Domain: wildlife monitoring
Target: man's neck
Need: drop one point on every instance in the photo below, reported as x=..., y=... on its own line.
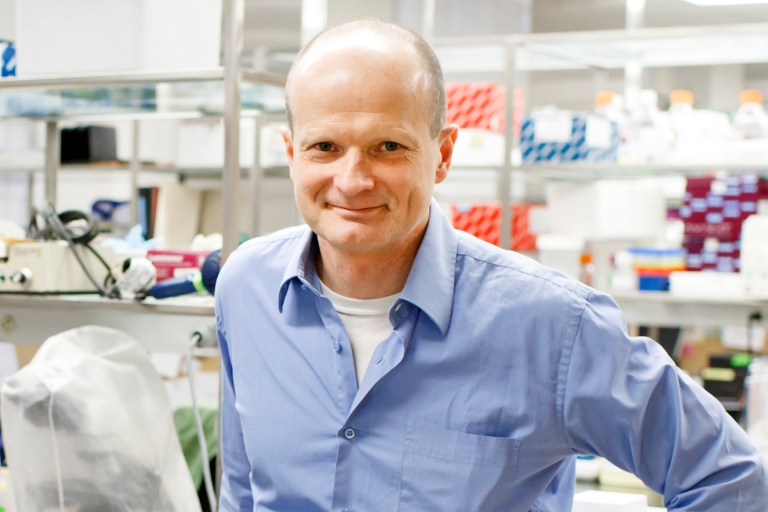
x=369, y=275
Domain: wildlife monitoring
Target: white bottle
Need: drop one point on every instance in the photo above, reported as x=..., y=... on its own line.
x=6, y=492
x=649, y=136
x=681, y=116
x=751, y=118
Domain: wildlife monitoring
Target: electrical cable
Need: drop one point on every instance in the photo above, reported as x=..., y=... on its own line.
x=57, y=226
x=196, y=338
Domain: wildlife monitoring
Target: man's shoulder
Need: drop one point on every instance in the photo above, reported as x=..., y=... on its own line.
x=269, y=254
x=284, y=237
x=516, y=269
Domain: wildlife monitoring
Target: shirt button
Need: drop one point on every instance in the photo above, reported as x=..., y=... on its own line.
x=336, y=346
x=350, y=433
x=304, y=287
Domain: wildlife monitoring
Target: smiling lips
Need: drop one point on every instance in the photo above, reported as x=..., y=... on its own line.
x=355, y=212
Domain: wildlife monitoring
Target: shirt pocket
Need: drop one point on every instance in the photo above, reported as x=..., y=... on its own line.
x=446, y=470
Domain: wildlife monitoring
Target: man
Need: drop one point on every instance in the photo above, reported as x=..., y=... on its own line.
x=377, y=359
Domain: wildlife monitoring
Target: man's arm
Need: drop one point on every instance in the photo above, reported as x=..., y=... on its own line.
x=626, y=400
x=236, y=495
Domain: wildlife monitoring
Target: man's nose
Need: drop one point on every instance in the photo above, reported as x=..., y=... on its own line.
x=355, y=175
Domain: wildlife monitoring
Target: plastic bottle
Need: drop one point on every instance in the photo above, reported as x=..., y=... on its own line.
x=751, y=118
x=648, y=135
x=611, y=106
x=587, y=269
x=681, y=109
x=6, y=491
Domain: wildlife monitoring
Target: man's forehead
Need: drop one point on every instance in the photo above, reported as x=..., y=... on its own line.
x=359, y=41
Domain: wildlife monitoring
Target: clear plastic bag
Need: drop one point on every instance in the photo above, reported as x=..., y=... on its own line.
x=88, y=428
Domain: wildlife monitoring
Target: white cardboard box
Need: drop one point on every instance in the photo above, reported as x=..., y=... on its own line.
x=754, y=256
x=87, y=36
x=607, y=210
x=601, y=501
x=707, y=285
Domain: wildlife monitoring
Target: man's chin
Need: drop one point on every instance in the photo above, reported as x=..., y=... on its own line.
x=361, y=239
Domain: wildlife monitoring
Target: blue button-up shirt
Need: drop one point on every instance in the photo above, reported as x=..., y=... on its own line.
x=497, y=373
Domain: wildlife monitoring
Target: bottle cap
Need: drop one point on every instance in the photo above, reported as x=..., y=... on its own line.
x=750, y=96
x=586, y=258
x=681, y=97
x=603, y=98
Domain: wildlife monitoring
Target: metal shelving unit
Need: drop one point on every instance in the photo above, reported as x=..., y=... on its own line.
x=161, y=325
x=502, y=57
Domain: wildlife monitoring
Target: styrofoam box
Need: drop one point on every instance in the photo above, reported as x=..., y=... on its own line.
x=601, y=501
x=754, y=256
x=87, y=36
x=478, y=148
x=707, y=285
x=607, y=210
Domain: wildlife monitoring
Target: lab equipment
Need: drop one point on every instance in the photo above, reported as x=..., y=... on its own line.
x=60, y=259
x=88, y=427
x=44, y=267
x=202, y=281
x=83, y=144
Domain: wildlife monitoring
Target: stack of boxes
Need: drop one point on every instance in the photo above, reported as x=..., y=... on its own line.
x=653, y=266
x=478, y=109
x=476, y=105
x=713, y=211
x=484, y=222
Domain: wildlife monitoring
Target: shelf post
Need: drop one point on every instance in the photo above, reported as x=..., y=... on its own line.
x=234, y=12
x=504, y=182
x=135, y=169
x=52, y=159
x=256, y=176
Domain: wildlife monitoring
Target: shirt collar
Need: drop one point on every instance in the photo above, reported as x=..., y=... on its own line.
x=431, y=280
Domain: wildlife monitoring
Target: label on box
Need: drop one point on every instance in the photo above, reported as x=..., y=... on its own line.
x=598, y=133
x=553, y=127
x=172, y=263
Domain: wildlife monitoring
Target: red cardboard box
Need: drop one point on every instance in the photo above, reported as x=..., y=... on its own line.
x=175, y=263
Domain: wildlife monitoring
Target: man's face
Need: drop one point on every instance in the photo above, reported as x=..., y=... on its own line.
x=363, y=161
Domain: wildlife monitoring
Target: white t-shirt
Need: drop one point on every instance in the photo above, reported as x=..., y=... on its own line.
x=366, y=322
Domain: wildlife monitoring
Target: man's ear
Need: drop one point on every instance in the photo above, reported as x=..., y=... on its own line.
x=446, y=140
x=288, y=140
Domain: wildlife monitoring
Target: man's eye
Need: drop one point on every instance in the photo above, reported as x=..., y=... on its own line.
x=324, y=146
x=391, y=146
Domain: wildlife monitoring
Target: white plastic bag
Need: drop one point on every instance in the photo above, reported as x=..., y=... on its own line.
x=88, y=428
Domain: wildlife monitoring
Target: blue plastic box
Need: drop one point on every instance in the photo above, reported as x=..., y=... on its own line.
x=565, y=137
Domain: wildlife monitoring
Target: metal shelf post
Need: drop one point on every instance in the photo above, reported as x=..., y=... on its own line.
x=504, y=180
x=234, y=13
x=52, y=159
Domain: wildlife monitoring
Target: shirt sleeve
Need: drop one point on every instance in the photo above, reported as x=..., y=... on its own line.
x=235, y=495
x=626, y=400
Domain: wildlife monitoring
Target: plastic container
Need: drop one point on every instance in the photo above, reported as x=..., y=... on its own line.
x=681, y=113
x=7, y=503
x=751, y=118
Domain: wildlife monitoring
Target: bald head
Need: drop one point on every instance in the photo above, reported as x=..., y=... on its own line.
x=376, y=36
